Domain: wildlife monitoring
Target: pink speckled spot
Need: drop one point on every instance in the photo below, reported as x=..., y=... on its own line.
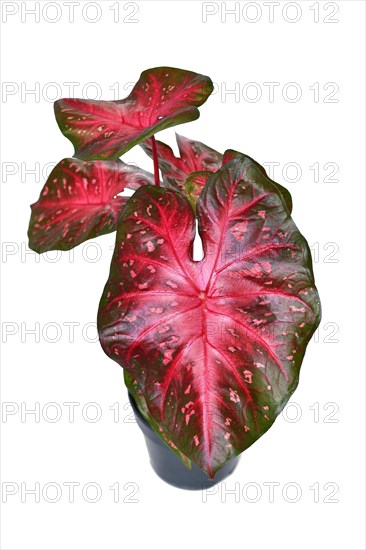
x=171, y=284
x=234, y=396
x=168, y=356
x=188, y=416
x=156, y=309
x=299, y=309
x=130, y=318
x=239, y=229
x=248, y=375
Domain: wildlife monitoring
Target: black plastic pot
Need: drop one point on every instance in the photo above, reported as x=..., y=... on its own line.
x=169, y=467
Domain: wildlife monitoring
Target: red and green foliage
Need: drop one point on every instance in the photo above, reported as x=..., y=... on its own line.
x=163, y=97
x=79, y=201
x=215, y=346
x=211, y=349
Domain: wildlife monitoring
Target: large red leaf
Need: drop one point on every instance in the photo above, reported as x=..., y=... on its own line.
x=162, y=97
x=215, y=346
x=79, y=202
x=194, y=157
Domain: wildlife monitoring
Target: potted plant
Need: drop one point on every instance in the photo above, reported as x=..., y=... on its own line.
x=211, y=349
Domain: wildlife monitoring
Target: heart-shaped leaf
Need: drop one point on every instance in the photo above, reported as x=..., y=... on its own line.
x=216, y=345
x=194, y=157
x=163, y=97
x=78, y=202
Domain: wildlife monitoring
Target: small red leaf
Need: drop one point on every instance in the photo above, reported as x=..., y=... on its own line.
x=78, y=202
x=194, y=157
x=163, y=97
x=216, y=345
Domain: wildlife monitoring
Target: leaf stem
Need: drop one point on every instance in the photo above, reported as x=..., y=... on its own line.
x=156, y=162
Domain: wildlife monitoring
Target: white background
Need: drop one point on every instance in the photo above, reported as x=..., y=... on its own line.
x=315, y=450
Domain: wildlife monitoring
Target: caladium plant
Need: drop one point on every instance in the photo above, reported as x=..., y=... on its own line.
x=211, y=349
